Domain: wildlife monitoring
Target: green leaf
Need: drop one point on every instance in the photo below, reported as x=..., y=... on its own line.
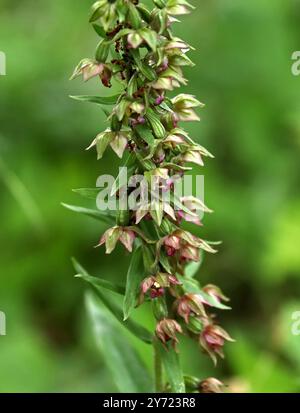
x=172, y=368
x=103, y=216
x=144, y=133
x=99, y=30
x=95, y=281
x=100, y=100
x=135, y=328
x=125, y=365
x=90, y=193
x=192, y=268
x=134, y=277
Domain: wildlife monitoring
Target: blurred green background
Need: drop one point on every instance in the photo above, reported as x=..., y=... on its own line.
x=251, y=123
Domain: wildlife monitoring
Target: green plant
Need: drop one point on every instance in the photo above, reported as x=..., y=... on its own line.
x=138, y=49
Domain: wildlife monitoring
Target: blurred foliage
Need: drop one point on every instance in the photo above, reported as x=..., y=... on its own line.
x=252, y=125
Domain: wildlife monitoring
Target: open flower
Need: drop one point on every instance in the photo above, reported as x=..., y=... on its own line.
x=178, y=7
x=212, y=340
x=211, y=385
x=166, y=331
x=215, y=292
x=156, y=209
x=192, y=205
x=186, y=245
x=190, y=304
x=113, y=235
x=117, y=140
x=89, y=68
x=183, y=107
x=155, y=285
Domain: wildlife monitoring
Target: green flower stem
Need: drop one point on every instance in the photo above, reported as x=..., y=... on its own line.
x=158, y=368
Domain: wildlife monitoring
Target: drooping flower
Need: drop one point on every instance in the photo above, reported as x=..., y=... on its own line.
x=190, y=304
x=212, y=340
x=156, y=285
x=166, y=330
x=183, y=107
x=113, y=235
x=156, y=209
x=178, y=7
x=215, y=292
x=186, y=245
x=211, y=385
x=89, y=68
x=192, y=206
x=117, y=140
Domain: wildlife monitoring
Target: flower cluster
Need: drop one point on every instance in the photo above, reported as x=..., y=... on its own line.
x=137, y=50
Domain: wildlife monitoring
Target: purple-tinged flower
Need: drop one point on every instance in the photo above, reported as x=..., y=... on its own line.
x=215, y=292
x=190, y=304
x=159, y=100
x=186, y=245
x=156, y=285
x=212, y=340
x=90, y=68
x=166, y=331
x=211, y=385
x=113, y=235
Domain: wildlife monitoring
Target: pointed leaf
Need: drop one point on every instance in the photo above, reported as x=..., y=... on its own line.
x=172, y=368
x=135, y=328
x=100, y=100
x=104, y=216
x=125, y=365
x=192, y=268
x=135, y=276
x=90, y=193
x=95, y=281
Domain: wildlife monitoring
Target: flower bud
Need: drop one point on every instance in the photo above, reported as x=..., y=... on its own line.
x=166, y=331
x=211, y=385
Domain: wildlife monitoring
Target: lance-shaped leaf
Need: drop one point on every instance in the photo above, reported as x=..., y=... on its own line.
x=125, y=365
x=172, y=368
x=192, y=267
x=95, y=281
x=135, y=328
x=100, y=100
x=89, y=193
x=104, y=216
x=135, y=276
